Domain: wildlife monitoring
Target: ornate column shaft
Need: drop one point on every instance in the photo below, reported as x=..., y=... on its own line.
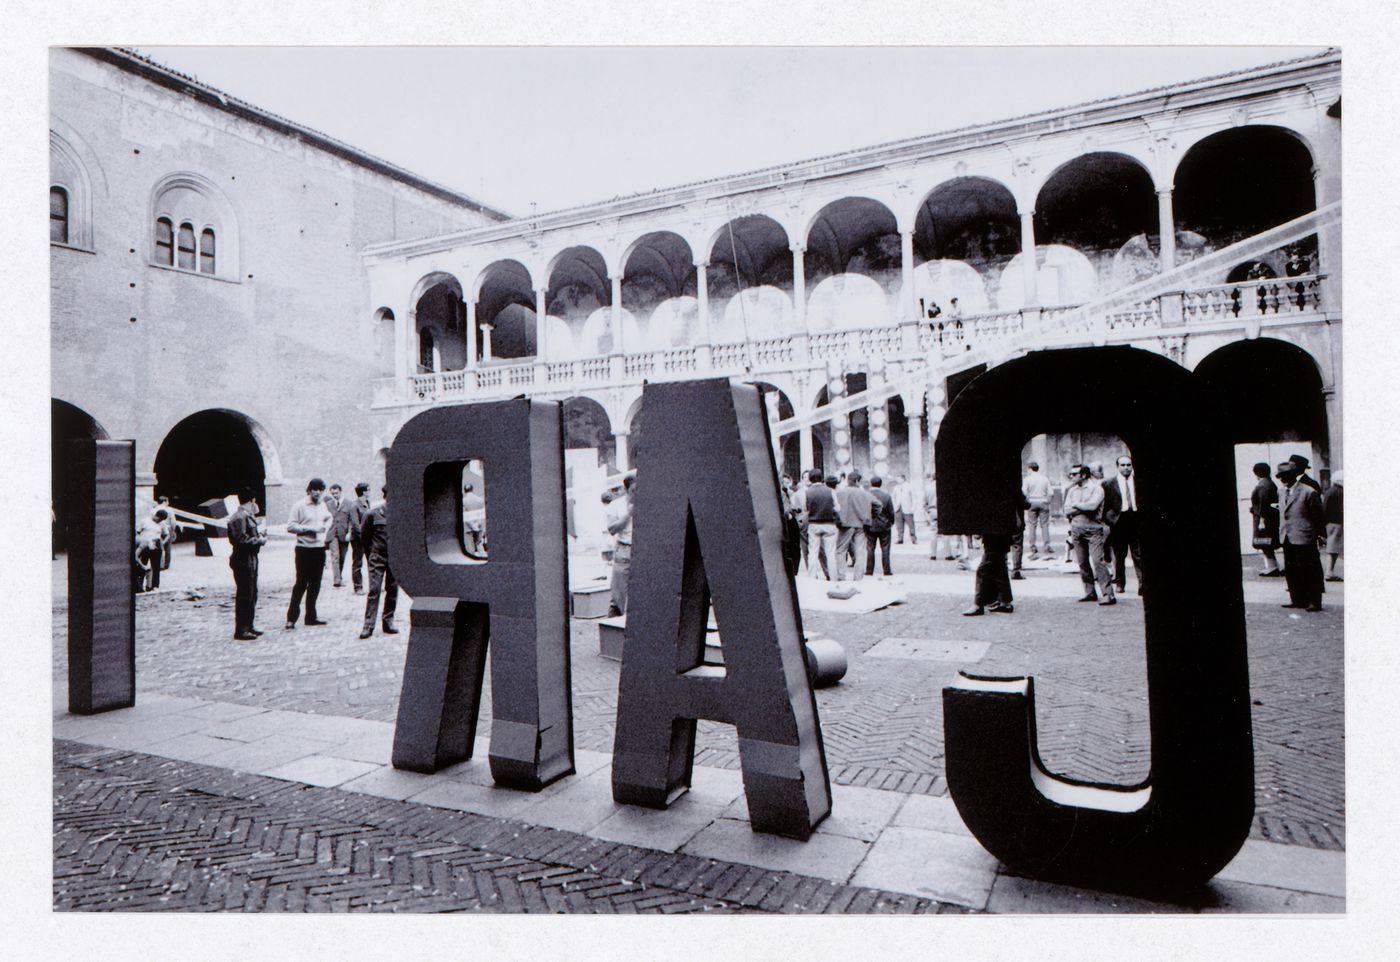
x=1166, y=226
x=486, y=330
x=906, y=267
x=799, y=286
x=620, y=450
x=1028, y=263
x=916, y=456
x=471, y=333
x=617, y=312
x=702, y=297
x=540, y=305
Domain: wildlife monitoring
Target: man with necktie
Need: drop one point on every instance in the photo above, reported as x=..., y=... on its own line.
x=1120, y=513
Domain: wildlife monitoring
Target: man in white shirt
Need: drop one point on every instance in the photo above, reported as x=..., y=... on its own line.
x=310, y=521
x=1120, y=513
x=1083, y=507
x=903, y=495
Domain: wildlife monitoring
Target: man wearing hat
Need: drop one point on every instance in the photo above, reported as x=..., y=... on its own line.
x=1303, y=477
x=1303, y=521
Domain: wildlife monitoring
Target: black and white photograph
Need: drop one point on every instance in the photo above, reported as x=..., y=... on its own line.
x=708, y=479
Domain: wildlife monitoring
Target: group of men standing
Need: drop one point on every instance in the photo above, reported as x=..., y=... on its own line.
x=841, y=525
x=321, y=524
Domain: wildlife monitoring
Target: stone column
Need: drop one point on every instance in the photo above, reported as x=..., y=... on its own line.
x=1028, y=264
x=806, y=453
x=916, y=455
x=702, y=297
x=471, y=334
x=404, y=324
x=906, y=268
x=799, y=286
x=486, y=330
x=1166, y=226
x=620, y=446
x=616, y=312
x=540, y=305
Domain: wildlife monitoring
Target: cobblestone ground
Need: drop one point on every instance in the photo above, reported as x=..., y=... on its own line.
x=882, y=725
x=138, y=833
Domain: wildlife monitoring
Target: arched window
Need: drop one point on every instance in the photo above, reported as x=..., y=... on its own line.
x=58, y=215
x=195, y=227
x=165, y=242
x=425, y=350
x=206, y=251
x=186, y=247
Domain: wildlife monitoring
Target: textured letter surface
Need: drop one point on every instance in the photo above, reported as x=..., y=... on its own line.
x=101, y=606
x=517, y=600
x=1191, y=816
x=708, y=527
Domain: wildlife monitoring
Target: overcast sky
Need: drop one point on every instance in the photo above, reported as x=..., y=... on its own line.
x=565, y=126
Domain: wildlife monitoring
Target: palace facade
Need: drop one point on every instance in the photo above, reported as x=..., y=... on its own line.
x=339, y=296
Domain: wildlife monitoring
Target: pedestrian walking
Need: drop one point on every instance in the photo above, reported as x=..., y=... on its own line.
x=311, y=523
x=375, y=534
x=1263, y=507
x=246, y=538
x=1332, y=510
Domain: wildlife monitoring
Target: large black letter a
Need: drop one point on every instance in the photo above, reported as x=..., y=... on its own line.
x=708, y=526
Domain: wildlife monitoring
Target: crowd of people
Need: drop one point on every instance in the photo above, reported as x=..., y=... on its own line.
x=1303, y=521
x=323, y=525
x=837, y=526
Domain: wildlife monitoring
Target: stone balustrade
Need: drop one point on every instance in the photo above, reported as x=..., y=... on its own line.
x=943, y=342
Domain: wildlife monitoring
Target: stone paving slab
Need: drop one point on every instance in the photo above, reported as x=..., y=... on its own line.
x=832, y=857
x=322, y=770
x=931, y=864
x=1306, y=870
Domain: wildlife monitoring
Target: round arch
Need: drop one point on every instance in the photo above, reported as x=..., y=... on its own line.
x=382, y=332
x=1239, y=182
x=1096, y=202
x=745, y=252
x=505, y=296
x=578, y=283
x=586, y=425
x=1246, y=381
x=656, y=266
x=210, y=454
x=971, y=219
x=857, y=235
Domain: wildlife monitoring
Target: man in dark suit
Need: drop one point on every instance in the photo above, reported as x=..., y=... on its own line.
x=878, y=530
x=1303, y=521
x=1120, y=513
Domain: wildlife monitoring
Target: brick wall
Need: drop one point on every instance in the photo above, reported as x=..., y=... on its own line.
x=290, y=344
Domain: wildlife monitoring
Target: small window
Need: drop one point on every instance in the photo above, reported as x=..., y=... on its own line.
x=58, y=215
x=206, y=251
x=186, y=247
x=165, y=242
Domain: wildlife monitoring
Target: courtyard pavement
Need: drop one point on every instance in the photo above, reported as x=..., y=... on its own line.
x=256, y=776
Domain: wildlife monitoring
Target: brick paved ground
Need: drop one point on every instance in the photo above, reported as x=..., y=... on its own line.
x=138, y=833
x=882, y=725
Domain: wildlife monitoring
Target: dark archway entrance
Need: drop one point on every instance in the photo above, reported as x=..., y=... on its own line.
x=1266, y=390
x=67, y=424
x=209, y=455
